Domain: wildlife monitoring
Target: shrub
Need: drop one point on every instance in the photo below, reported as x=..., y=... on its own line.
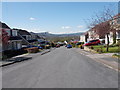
x=97, y=50
x=91, y=47
x=32, y=50
x=105, y=46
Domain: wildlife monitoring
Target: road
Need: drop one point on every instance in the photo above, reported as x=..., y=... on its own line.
x=60, y=68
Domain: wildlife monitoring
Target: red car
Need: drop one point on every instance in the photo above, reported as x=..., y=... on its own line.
x=92, y=42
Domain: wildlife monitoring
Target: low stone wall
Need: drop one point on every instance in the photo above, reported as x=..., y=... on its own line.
x=88, y=49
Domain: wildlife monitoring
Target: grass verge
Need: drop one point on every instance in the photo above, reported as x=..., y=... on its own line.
x=102, y=49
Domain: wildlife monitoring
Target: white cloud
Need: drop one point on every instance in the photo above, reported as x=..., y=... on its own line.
x=80, y=26
x=65, y=27
x=31, y=18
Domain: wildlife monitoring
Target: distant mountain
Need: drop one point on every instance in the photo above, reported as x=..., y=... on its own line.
x=47, y=34
x=59, y=37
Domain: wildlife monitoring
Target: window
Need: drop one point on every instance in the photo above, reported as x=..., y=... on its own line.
x=8, y=31
x=118, y=20
x=14, y=32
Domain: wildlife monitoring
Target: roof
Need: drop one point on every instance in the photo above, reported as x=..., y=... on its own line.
x=23, y=32
x=15, y=38
x=3, y=25
x=34, y=40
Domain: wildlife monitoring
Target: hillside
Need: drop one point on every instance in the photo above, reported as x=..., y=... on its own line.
x=59, y=37
x=47, y=34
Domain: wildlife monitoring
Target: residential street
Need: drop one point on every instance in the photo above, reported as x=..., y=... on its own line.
x=60, y=68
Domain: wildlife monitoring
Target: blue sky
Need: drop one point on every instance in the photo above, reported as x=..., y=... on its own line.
x=54, y=17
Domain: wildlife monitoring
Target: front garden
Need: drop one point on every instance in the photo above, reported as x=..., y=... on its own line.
x=102, y=48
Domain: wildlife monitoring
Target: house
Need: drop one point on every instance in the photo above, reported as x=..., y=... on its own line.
x=115, y=24
x=84, y=37
x=114, y=33
x=92, y=34
x=15, y=40
x=99, y=31
x=27, y=37
x=10, y=39
x=34, y=35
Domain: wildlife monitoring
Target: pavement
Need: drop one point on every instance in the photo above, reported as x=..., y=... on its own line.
x=22, y=57
x=60, y=68
x=104, y=58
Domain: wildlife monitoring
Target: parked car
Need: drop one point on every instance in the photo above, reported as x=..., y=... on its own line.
x=92, y=42
x=69, y=46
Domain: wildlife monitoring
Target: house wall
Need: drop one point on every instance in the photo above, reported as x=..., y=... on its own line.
x=0, y=41
x=14, y=32
x=115, y=23
x=117, y=36
x=33, y=36
x=82, y=38
x=92, y=35
x=16, y=45
x=27, y=37
x=8, y=31
x=0, y=47
x=110, y=38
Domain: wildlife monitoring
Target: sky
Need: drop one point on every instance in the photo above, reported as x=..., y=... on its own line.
x=53, y=17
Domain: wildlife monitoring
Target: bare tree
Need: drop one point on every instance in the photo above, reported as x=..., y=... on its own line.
x=101, y=22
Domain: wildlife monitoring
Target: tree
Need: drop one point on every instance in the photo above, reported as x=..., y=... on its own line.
x=4, y=36
x=101, y=22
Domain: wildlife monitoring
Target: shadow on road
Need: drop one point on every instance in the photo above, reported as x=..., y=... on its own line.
x=17, y=59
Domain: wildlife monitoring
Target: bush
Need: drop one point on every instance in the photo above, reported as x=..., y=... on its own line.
x=105, y=46
x=99, y=50
x=91, y=47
